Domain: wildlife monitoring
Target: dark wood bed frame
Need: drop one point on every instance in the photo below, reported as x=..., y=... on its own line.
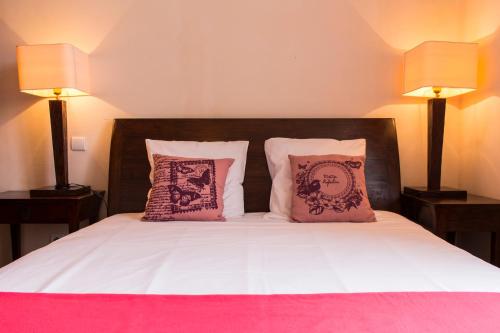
x=129, y=166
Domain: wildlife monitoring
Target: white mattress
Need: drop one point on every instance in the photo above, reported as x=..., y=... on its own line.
x=251, y=255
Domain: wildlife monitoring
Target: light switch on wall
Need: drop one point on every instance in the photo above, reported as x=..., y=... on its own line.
x=78, y=143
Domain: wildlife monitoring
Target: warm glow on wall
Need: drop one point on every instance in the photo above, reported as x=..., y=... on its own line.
x=53, y=69
x=447, y=67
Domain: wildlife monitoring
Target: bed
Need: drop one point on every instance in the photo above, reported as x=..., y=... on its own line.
x=250, y=274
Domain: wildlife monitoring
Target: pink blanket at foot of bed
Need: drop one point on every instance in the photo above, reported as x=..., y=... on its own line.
x=360, y=312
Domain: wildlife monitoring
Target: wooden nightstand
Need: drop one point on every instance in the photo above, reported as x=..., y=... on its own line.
x=18, y=208
x=445, y=217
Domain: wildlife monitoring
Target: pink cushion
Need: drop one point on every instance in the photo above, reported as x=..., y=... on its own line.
x=187, y=189
x=330, y=188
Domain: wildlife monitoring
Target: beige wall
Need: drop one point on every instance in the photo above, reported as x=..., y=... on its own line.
x=221, y=58
x=479, y=158
x=480, y=142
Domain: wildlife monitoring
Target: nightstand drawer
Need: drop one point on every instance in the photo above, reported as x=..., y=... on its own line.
x=50, y=212
x=480, y=219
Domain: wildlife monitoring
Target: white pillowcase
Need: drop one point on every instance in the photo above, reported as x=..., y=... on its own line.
x=277, y=151
x=233, y=191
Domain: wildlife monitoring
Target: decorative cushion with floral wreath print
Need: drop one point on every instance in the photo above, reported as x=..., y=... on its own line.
x=330, y=188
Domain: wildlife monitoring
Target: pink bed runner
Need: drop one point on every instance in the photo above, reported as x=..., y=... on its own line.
x=363, y=312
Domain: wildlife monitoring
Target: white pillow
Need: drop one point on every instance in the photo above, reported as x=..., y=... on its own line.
x=233, y=191
x=277, y=151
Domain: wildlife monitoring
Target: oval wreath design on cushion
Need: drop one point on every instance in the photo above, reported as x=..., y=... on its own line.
x=330, y=184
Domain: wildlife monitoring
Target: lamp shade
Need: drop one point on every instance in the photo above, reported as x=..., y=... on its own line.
x=448, y=66
x=43, y=68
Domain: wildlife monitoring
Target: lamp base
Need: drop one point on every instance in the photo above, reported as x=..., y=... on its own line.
x=52, y=191
x=442, y=193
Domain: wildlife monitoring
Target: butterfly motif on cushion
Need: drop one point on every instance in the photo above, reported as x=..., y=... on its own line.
x=184, y=198
x=302, y=166
x=200, y=182
x=183, y=169
x=306, y=189
x=353, y=164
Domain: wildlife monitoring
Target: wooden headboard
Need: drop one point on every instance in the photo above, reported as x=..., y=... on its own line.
x=129, y=167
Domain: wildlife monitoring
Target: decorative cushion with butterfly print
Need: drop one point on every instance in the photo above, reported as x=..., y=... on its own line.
x=233, y=191
x=330, y=188
x=187, y=189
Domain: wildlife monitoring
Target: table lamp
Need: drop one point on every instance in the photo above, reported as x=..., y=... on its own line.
x=438, y=70
x=55, y=70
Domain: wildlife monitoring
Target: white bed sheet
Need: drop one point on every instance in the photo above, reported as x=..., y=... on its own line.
x=249, y=255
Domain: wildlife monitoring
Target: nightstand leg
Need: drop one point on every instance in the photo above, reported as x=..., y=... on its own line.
x=451, y=237
x=15, y=236
x=73, y=226
x=93, y=219
x=495, y=248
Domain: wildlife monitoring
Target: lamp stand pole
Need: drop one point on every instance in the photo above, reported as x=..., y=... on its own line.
x=58, y=126
x=436, y=111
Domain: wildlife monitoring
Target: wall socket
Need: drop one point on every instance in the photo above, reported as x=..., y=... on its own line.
x=78, y=143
